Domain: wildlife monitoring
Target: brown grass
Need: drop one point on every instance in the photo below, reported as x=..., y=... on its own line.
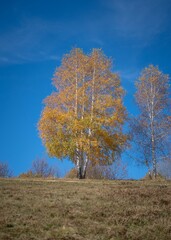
x=85, y=209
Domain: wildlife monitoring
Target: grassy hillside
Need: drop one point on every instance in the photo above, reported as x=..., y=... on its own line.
x=77, y=210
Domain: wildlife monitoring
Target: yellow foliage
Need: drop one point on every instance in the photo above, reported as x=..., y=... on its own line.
x=86, y=110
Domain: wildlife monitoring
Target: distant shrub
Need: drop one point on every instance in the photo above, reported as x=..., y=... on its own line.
x=40, y=169
x=72, y=173
x=150, y=176
x=164, y=168
x=28, y=174
x=4, y=170
x=95, y=172
x=111, y=172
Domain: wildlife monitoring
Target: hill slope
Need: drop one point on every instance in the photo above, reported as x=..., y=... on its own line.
x=78, y=210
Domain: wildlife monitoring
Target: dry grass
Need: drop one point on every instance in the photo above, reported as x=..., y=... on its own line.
x=86, y=209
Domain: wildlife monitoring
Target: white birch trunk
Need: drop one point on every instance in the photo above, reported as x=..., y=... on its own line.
x=78, y=162
x=86, y=160
x=152, y=132
x=85, y=166
x=93, y=97
x=77, y=152
x=91, y=119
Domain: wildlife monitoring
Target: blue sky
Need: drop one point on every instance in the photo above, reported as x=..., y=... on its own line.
x=35, y=34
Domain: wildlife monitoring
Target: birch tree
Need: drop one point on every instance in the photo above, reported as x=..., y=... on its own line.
x=151, y=130
x=83, y=118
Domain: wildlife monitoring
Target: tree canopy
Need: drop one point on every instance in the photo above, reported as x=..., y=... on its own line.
x=151, y=130
x=83, y=118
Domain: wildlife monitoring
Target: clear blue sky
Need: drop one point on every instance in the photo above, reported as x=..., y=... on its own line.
x=35, y=34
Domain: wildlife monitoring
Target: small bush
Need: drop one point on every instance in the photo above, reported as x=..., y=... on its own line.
x=150, y=176
x=4, y=170
x=40, y=169
x=164, y=168
x=28, y=174
x=72, y=173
